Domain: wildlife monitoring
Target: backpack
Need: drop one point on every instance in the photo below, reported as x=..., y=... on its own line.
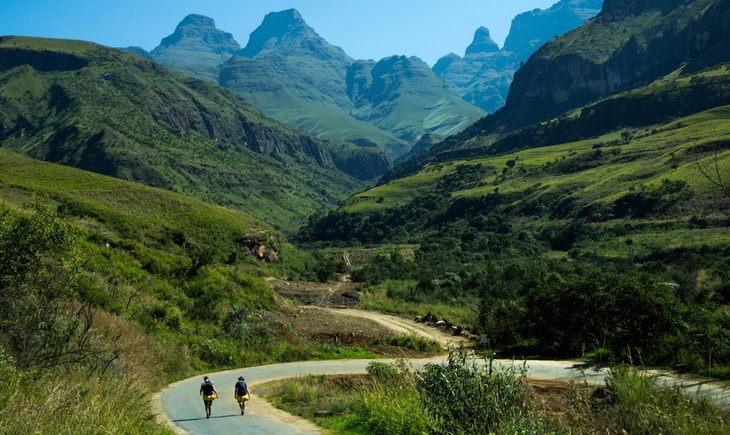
x=208, y=388
x=241, y=388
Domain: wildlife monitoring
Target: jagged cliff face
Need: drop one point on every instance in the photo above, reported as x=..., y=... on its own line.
x=630, y=43
x=196, y=34
x=483, y=76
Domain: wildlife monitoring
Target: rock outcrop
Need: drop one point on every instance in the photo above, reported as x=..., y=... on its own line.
x=483, y=76
x=641, y=42
x=197, y=48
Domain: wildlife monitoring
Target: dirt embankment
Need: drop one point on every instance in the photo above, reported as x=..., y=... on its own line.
x=327, y=312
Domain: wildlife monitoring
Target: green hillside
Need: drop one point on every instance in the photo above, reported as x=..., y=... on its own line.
x=111, y=112
x=109, y=285
x=592, y=247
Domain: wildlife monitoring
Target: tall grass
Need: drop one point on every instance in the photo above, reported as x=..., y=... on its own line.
x=72, y=401
x=640, y=405
x=391, y=407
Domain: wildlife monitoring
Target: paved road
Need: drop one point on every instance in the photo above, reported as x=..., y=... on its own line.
x=183, y=408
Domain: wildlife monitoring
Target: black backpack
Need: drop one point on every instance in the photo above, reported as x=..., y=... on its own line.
x=207, y=388
x=241, y=388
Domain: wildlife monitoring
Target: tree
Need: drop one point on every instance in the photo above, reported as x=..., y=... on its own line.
x=711, y=169
x=42, y=322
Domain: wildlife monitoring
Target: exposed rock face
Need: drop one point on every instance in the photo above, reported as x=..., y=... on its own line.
x=483, y=43
x=530, y=30
x=483, y=76
x=262, y=245
x=647, y=40
x=195, y=36
x=39, y=61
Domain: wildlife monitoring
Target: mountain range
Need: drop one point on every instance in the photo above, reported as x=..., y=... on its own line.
x=51, y=120
x=398, y=104
x=640, y=79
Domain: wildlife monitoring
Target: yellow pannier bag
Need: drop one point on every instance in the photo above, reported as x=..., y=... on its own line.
x=209, y=398
x=243, y=398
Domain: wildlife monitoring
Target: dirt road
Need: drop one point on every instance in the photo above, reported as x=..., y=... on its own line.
x=353, y=321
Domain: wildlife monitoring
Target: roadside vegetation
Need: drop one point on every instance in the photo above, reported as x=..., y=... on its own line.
x=468, y=395
x=111, y=290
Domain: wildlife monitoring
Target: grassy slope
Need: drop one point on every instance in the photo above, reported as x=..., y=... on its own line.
x=119, y=209
x=126, y=117
x=138, y=245
x=656, y=153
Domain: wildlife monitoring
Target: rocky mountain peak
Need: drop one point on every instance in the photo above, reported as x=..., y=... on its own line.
x=200, y=30
x=482, y=43
x=285, y=33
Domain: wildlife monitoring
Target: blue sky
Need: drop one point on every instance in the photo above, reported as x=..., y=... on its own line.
x=365, y=29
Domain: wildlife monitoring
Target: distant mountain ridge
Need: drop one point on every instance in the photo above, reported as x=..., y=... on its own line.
x=596, y=60
x=294, y=75
x=291, y=73
x=483, y=76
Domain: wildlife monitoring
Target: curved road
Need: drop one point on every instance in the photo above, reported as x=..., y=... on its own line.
x=182, y=409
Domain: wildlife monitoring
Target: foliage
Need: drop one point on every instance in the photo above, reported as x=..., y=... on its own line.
x=42, y=326
x=625, y=242
x=640, y=405
x=463, y=397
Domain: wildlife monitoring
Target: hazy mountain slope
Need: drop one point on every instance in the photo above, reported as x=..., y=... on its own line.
x=483, y=76
x=530, y=30
x=114, y=113
x=402, y=95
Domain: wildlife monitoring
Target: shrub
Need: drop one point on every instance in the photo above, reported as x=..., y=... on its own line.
x=463, y=397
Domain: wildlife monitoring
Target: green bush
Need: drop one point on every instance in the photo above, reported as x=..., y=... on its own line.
x=464, y=397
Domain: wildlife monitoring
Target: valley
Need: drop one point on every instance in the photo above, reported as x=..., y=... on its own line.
x=216, y=207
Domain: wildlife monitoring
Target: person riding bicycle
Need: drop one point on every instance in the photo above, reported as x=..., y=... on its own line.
x=209, y=393
x=241, y=393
